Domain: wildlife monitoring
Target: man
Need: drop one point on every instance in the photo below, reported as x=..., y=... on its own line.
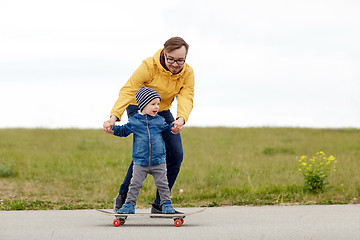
x=168, y=74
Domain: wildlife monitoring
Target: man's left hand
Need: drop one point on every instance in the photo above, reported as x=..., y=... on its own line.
x=178, y=125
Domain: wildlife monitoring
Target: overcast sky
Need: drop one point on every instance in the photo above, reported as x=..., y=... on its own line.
x=257, y=63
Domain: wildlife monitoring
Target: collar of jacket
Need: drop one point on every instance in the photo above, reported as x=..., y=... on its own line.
x=156, y=59
x=142, y=116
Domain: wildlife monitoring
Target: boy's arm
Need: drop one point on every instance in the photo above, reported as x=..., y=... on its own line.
x=122, y=131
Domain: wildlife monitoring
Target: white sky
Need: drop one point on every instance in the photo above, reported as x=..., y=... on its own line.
x=256, y=63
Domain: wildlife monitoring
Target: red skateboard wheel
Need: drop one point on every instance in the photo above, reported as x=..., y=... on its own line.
x=178, y=222
x=116, y=222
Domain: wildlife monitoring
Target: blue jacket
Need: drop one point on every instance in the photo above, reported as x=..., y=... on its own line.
x=148, y=143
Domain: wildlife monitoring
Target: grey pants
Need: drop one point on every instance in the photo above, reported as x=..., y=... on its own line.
x=139, y=175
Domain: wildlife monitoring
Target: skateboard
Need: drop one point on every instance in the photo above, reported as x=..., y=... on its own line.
x=120, y=218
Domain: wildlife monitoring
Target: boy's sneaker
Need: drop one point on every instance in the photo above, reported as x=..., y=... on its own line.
x=118, y=201
x=167, y=208
x=127, y=208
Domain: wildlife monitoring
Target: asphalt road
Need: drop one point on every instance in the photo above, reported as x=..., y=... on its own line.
x=268, y=222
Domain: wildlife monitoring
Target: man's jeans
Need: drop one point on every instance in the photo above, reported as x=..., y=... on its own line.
x=174, y=154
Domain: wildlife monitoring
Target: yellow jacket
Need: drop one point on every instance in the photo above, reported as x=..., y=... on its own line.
x=153, y=75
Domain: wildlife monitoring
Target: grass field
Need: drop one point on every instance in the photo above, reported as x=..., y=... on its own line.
x=78, y=169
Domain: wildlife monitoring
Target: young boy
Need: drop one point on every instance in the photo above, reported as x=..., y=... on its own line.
x=148, y=149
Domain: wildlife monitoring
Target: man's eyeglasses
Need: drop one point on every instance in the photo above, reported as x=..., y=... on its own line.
x=172, y=61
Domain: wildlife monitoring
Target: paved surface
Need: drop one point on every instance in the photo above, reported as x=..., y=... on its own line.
x=269, y=222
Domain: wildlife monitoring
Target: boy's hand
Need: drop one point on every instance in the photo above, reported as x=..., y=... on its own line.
x=107, y=125
x=178, y=125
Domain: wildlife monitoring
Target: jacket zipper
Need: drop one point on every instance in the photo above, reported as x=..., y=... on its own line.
x=147, y=126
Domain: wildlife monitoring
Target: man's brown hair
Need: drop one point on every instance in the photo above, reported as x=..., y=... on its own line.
x=175, y=43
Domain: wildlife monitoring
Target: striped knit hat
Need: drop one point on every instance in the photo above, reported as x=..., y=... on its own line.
x=145, y=95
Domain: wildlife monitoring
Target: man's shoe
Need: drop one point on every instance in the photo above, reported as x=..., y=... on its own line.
x=157, y=209
x=167, y=208
x=118, y=201
x=127, y=208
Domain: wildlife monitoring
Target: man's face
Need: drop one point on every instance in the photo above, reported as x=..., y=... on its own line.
x=175, y=60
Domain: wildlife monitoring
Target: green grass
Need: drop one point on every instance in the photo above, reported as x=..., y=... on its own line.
x=80, y=169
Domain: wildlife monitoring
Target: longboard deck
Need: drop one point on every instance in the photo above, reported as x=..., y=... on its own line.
x=160, y=215
x=121, y=218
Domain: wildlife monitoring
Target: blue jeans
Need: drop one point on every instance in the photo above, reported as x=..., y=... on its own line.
x=174, y=154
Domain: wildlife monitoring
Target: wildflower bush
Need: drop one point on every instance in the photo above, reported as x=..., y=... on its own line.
x=6, y=170
x=315, y=171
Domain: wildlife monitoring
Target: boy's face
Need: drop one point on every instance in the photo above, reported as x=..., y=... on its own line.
x=152, y=108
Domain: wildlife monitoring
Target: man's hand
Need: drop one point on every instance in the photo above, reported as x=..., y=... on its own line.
x=107, y=125
x=178, y=125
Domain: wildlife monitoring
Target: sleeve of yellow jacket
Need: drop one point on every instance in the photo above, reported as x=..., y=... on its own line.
x=186, y=96
x=128, y=92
